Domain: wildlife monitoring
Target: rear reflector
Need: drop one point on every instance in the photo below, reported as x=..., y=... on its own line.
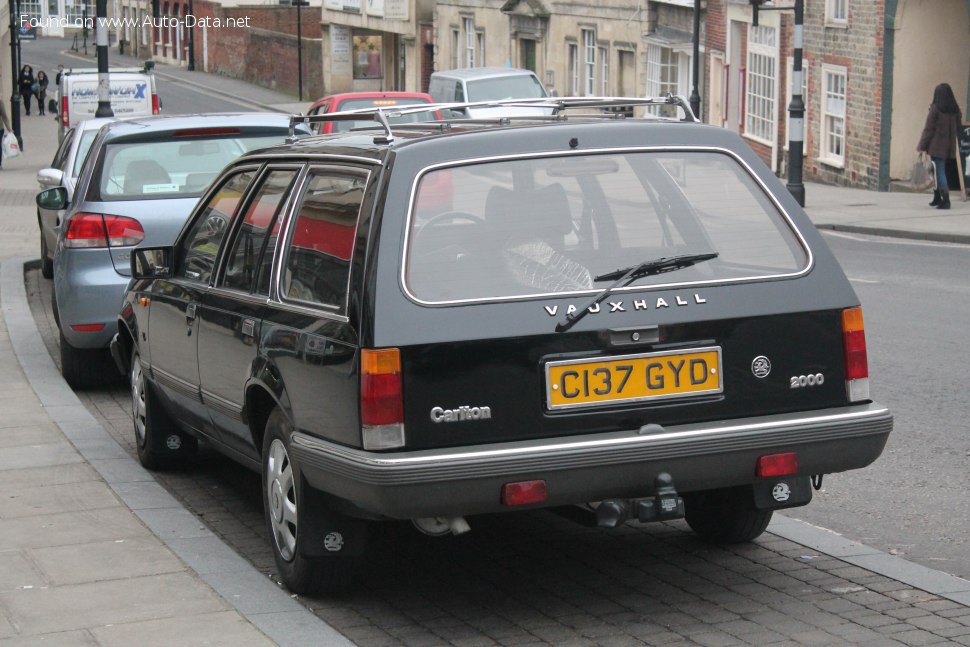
x=778, y=464
x=88, y=230
x=381, y=399
x=854, y=353
x=524, y=492
x=95, y=327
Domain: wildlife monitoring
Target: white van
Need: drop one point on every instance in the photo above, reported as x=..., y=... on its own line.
x=475, y=84
x=133, y=94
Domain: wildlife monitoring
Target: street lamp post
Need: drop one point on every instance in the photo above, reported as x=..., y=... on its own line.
x=101, y=39
x=15, y=71
x=191, y=66
x=299, y=45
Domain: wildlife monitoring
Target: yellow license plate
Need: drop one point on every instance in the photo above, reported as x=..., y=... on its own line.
x=633, y=378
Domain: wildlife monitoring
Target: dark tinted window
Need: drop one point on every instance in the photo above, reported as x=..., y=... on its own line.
x=200, y=247
x=317, y=263
x=258, y=230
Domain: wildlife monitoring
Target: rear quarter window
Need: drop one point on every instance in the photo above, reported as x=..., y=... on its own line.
x=553, y=225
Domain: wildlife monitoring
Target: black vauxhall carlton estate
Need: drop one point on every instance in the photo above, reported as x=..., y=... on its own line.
x=628, y=317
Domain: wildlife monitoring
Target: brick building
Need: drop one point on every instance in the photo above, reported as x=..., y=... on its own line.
x=870, y=72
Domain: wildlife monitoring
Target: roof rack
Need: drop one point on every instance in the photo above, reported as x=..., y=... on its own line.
x=610, y=108
x=149, y=67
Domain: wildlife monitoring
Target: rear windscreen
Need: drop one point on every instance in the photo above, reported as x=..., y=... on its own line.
x=556, y=225
x=387, y=104
x=172, y=167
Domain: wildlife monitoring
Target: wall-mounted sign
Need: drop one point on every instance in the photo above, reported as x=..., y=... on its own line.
x=340, y=43
x=396, y=9
x=375, y=8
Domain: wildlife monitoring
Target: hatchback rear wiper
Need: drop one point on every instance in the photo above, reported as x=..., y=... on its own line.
x=627, y=275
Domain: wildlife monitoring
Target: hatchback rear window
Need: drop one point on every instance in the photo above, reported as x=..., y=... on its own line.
x=554, y=225
x=358, y=104
x=169, y=168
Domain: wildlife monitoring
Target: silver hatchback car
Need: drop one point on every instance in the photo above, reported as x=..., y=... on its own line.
x=138, y=184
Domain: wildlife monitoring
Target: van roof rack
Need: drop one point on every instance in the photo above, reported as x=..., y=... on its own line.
x=148, y=67
x=609, y=108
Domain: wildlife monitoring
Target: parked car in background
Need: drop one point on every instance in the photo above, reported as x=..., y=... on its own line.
x=364, y=100
x=132, y=92
x=477, y=84
x=138, y=184
x=63, y=171
x=632, y=319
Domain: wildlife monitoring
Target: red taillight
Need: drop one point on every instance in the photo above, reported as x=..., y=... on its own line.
x=156, y=106
x=86, y=230
x=64, y=118
x=777, y=464
x=381, y=401
x=524, y=492
x=854, y=344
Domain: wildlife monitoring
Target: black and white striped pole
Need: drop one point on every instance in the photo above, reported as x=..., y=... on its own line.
x=796, y=113
x=101, y=39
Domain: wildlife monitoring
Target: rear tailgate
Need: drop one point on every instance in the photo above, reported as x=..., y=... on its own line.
x=559, y=385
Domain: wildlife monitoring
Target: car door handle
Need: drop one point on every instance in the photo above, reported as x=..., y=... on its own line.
x=190, y=313
x=248, y=327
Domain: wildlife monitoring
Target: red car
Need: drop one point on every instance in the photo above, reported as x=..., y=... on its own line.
x=358, y=100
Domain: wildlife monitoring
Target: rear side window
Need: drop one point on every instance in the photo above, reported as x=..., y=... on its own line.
x=557, y=225
x=316, y=265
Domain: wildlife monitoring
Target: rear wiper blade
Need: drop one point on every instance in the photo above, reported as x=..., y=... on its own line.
x=627, y=275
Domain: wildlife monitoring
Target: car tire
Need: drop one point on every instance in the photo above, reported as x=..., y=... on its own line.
x=161, y=445
x=725, y=516
x=82, y=368
x=286, y=500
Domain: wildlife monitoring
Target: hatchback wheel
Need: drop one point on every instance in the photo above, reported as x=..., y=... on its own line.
x=161, y=445
x=285, y=503
x=84, y=368
x=725, y=516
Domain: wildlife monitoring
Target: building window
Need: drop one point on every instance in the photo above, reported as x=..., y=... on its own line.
x=662, y=76
x=834, y=83
x=761, y=80
x=836, y=11
x=470, y=44
x=76, y=11
x=589, y=62
x=368, y=62
x=455, y=49
x=605, y=72
x=574, y=70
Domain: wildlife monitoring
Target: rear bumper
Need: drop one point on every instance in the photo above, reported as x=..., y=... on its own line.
x=580, y=469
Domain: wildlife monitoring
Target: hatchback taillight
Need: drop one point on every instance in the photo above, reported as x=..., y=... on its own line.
x=855, y=357
x=156, y=105
x=88, y=230
x=381, y=399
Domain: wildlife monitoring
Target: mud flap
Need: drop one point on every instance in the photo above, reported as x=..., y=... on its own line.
x=326, y=533
x=782, y=492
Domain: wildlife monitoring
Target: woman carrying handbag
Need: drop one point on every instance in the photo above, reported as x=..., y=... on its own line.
x=938, y=139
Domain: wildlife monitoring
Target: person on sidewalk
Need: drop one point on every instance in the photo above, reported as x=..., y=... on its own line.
x=57, y=83
x=939, y=137
x=41, y=94
x=4, y=125
x=26, y=82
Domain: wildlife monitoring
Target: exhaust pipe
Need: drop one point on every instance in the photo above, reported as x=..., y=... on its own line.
x=440, y=526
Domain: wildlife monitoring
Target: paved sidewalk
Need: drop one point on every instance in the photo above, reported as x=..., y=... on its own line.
x=94, y=552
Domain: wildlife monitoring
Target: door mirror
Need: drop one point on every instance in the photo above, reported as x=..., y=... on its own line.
x=151, y=263
x=48, y=177
x=54, y=198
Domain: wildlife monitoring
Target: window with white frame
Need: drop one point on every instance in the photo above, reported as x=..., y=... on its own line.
x=832, y=136
x=605, y=72
x=589, y=62
x=761, y=82
x=480, y=44
x=456, y=49
x=74, y=13
x=662, y=75
x=574, y=70
x=836, y=11
x=470, y=41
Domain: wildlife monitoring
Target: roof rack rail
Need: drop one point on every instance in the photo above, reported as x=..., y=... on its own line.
x=612, y=107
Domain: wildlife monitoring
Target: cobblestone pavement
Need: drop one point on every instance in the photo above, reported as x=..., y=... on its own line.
x=536, y=578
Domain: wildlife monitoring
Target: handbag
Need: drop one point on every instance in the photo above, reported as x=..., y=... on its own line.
x=34, y=87
x=51, y=106
x=921, y=175
x=11, y=147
